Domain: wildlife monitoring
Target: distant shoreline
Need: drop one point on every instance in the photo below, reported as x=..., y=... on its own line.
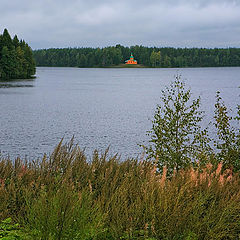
x=146, y=57
x=135, y=66
x=128, y=66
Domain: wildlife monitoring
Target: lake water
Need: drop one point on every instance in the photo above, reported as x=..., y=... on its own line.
x=100, y=107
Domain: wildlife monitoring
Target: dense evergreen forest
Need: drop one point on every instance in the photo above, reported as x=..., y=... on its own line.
x=146, y=56
x=16, y=58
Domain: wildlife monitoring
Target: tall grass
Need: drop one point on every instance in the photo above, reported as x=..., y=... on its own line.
x=66, y=196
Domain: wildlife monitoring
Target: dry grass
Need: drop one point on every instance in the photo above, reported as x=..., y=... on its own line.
x=67, y=196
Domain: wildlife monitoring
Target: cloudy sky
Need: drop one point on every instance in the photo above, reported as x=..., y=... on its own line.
x=100, y=23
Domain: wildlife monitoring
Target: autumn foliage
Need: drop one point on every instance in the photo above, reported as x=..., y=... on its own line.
x=68, y=197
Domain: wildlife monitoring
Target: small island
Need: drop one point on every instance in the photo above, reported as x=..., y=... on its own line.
x=16, y=58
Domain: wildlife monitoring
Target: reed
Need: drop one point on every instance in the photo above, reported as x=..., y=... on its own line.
x=65, y=196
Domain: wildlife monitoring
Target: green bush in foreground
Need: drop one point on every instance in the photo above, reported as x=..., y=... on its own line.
x=177, y=139
x=11, y=231
x=176, y=136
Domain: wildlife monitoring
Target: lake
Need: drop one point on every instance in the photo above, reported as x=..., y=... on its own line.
x=100, y=107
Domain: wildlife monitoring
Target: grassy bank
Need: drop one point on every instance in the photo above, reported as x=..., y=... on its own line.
x=67, y=197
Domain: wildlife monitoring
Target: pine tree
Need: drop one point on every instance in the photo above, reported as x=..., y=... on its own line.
x=6, y=39
x=82, y=61
x=16, y=58
x=15, y=41
x=5, y=63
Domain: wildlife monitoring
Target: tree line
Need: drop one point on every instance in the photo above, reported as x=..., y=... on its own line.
x=16, y=58
x=147, y=56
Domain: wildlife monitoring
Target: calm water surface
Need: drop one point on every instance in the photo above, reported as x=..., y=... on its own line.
x=100, y=107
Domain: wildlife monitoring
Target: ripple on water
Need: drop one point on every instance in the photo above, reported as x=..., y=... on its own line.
x=100, y=107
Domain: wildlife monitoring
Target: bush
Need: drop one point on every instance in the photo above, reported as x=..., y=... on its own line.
x=228, y=142
x=176, y=137
x=11, y=231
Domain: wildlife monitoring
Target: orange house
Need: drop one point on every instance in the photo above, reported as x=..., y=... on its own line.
x=131, y=60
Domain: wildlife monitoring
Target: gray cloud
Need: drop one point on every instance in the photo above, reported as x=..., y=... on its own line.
x=177, y=23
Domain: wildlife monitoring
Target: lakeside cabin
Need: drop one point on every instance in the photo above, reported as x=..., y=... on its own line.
x=131, y=60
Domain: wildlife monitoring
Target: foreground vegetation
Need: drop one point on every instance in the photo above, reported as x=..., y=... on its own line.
x=16, y=58
x=147, y=56
x=185, y=189
x=67, y=197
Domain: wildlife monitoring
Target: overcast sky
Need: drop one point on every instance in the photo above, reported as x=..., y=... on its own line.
x=100, y=23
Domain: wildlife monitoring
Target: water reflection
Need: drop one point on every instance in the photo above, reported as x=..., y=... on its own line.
x=7, y=85
x=17, y=83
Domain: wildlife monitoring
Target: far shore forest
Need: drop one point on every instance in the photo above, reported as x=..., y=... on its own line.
x=166, y=57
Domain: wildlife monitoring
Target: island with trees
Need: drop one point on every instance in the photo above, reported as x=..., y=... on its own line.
x=115, y=56
x=16, y=58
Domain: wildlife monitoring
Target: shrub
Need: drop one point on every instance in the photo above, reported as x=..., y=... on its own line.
x=228, y=142
x=11, y=231
x=176, y=137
